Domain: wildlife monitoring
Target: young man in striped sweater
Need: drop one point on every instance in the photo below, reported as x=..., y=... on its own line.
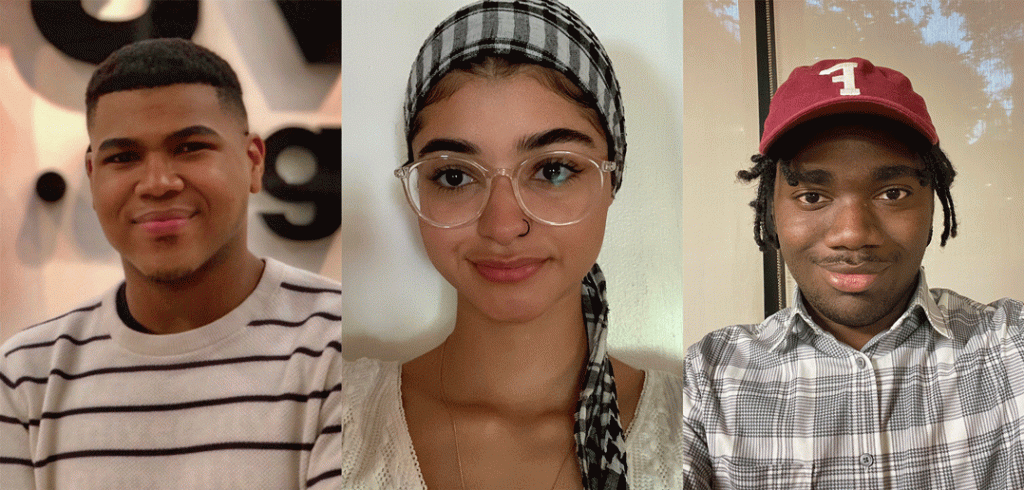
x=208, y=367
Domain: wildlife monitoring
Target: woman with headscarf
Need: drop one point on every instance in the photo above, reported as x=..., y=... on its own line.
x=516, y=146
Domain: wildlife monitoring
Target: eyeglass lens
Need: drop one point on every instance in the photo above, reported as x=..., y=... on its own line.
x=555, y=188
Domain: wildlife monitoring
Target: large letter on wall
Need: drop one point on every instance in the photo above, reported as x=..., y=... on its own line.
x=323, y=190
x=316, y=27
x=83, y=37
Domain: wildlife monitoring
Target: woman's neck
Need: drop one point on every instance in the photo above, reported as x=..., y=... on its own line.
x=524, y=368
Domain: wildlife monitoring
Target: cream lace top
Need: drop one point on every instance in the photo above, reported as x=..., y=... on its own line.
x=377, y=451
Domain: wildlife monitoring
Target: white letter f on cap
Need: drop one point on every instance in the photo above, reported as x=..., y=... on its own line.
x=849, y=87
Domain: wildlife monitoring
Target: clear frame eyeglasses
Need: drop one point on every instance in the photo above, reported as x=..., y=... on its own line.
x=556, y=188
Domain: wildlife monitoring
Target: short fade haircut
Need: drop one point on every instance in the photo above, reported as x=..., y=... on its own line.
x=161, y=62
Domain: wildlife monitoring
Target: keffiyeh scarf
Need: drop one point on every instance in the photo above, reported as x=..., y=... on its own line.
x=600, y=441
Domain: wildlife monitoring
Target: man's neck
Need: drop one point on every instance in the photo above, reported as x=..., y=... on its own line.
x=198, y=299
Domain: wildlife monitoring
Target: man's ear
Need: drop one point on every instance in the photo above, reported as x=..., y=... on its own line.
x=256, y=151
x=88, y=161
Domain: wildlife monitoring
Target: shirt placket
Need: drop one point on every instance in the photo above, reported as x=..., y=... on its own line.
x=867, y=459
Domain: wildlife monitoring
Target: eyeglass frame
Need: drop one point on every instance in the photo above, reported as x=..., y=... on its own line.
x=403, y=172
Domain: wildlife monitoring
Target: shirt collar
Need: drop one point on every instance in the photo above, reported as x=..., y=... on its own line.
x=793, y=320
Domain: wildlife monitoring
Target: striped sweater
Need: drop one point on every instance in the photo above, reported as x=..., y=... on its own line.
x=250, y=401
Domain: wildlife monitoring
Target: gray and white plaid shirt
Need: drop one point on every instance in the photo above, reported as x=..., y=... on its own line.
x=936, y=401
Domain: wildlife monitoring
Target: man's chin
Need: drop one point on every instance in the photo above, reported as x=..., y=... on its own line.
x=170, y=276
x=163, y=273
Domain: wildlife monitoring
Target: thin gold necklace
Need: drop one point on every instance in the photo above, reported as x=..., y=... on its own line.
x=455, y=431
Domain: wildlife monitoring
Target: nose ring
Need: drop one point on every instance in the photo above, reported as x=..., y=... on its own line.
x=527, y=232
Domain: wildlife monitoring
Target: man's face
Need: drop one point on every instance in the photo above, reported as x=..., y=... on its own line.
x=854, y=229
x=170, y=173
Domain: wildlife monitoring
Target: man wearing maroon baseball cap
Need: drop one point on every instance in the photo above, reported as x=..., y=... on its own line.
x=871, y=379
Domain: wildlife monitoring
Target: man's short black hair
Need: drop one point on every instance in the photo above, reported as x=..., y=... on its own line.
x=160, y=62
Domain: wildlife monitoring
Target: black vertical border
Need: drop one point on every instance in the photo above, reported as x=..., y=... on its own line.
x=767, y=82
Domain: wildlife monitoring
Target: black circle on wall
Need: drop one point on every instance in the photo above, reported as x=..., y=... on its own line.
x=51, y=186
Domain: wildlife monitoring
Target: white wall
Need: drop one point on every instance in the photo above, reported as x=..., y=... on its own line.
x=54, y=256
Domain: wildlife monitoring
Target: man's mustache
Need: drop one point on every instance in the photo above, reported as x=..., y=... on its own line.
x=852, y=259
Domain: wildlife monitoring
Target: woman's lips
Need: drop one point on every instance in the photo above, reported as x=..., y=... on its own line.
x=508, y=272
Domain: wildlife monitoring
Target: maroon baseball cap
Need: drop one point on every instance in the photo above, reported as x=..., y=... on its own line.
x=853, y=86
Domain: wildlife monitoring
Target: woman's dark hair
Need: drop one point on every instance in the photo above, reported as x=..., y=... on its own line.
x=938, y=173
x=161, y=62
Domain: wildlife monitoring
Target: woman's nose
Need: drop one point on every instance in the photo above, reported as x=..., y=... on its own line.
x=502, y=219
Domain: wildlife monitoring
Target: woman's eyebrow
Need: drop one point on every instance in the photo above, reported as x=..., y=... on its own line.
x=550, y=137
x=449, y=145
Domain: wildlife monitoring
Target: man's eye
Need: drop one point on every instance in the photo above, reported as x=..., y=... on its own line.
x=895, y=194
x=192, y=147
x=123, y=157
x=809, y=197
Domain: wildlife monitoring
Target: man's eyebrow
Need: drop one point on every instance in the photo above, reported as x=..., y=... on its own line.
x=196, y=130
x=184, y=133
x=449, y=145
x=118, y=143
x=558, y=135
x=815, y=176
x=890, y=172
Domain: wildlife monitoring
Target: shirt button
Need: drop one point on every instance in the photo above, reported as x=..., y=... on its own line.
x=861, y=362
x=866, y=460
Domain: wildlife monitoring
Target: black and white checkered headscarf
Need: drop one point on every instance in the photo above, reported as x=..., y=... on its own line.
x=553, y=36
x=544, y=31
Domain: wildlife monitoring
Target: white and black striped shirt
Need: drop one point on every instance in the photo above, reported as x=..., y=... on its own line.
x=250, y=401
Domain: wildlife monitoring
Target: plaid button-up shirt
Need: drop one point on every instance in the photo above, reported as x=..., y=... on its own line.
x=936, y=401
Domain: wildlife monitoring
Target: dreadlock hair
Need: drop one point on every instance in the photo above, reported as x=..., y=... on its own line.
x=938, y=173
x=161, y=62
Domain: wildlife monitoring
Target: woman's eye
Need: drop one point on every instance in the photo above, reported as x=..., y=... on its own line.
x=555, y=172
x=451, y=178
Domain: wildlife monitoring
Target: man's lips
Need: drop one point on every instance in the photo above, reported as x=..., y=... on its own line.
x=853, y=278
x=507, y=271
x=162, y=222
